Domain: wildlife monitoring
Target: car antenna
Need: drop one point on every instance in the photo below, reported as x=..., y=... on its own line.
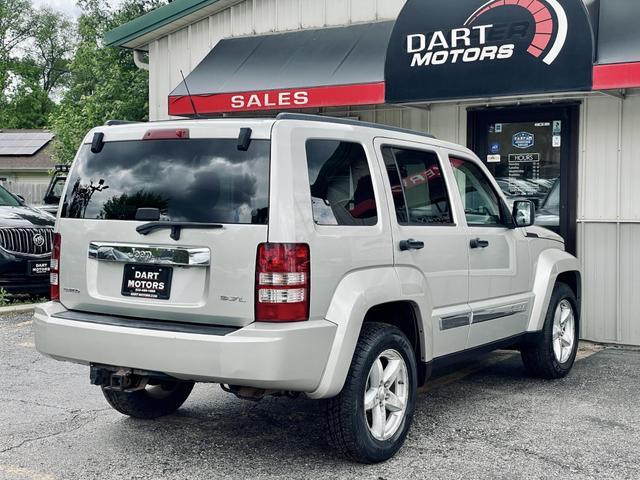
x=193, y=105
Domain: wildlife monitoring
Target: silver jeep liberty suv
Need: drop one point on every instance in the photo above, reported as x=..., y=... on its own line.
x=301, y=254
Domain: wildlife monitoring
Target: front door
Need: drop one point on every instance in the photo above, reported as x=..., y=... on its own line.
x=499, y=259
x=532, y=153
x=429, y=244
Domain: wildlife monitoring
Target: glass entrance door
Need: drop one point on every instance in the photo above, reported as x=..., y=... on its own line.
x=532, y=154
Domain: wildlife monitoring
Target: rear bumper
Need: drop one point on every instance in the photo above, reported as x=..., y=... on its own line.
x=289, y=356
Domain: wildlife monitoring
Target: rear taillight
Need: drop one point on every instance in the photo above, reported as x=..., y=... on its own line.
x=55, y=267
x=282, y=282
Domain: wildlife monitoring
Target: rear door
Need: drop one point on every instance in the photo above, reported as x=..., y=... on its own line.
x=199, y=271
x=427, y=236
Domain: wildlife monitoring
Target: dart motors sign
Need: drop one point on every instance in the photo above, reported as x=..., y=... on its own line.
x=442, y=50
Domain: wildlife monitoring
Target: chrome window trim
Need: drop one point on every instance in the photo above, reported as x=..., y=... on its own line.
x=150, y=254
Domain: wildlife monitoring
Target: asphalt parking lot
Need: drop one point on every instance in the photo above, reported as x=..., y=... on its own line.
x=485, y=420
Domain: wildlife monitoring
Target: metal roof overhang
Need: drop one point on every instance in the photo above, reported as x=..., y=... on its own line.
x=303, y=69
x=137, y=33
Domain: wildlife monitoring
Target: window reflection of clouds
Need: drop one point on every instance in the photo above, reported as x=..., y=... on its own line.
x=203, y=180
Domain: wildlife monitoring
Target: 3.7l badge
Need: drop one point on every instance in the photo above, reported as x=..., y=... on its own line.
x=225, y=298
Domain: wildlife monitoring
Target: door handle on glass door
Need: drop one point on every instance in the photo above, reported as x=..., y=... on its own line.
x=411, y=244
x=478, y=243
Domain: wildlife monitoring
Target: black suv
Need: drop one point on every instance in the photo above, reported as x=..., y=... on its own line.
x=54, y=190
x=25, y=246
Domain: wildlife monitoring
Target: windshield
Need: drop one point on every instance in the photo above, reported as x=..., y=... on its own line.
x=56, y=189
x=7, y=200
x=197, y=180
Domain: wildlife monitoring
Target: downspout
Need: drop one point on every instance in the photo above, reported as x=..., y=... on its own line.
x=139, y=60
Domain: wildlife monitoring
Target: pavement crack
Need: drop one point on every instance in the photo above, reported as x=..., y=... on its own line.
x=53, y=434
x=539, y=456
x=31, y=402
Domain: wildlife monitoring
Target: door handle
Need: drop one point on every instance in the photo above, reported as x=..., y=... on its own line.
x=411, y=244
x=478, y=243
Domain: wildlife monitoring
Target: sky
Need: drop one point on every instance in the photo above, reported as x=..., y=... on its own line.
x=66, y=6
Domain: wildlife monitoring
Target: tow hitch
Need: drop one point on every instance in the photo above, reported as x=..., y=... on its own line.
x=118, y=379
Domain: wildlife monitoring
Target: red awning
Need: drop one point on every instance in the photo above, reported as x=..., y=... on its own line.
x=619, y=75
x=339, y=95
x=312, y=68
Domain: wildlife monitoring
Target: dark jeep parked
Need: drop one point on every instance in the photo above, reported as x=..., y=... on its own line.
x=54, y=190
x=25, y=246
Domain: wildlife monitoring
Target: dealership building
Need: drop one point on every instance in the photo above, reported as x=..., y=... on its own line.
x=546, y=92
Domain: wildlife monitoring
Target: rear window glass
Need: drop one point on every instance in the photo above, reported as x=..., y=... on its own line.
x=341, y=186
x=197, y=180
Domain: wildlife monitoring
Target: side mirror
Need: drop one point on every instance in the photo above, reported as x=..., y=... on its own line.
x=21, y=199
x=524, y=213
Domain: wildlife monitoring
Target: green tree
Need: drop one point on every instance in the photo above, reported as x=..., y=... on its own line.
x=16, y=25
x=28, y=107
x=51, y=47
x=104, y=82
x=35, y=46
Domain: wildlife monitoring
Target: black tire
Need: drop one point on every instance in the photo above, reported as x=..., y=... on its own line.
x=152, y=402
x=538, y=355
x=347, y=422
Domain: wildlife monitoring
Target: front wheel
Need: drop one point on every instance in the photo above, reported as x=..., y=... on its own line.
x=153, y=401
x=553, y=353
x=369, y=420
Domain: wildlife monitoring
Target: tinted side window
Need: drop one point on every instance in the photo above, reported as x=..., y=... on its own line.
x=418, y=187
x=480, y=201
x=341, y=186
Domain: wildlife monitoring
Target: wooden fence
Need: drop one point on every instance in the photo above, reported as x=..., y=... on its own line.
x=33, y=193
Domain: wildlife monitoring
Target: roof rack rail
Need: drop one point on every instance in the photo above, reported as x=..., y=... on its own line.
x=111, y=123
x=347, y=121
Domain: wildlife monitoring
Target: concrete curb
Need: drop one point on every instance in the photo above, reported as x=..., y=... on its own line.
x=18, y=308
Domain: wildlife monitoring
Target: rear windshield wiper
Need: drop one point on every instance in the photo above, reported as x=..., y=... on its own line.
x=176, y=227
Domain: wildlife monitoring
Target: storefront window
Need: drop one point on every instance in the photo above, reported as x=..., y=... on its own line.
x=524, y=157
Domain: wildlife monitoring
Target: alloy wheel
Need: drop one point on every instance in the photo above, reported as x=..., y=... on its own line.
x=386, y=395
x=564, y=331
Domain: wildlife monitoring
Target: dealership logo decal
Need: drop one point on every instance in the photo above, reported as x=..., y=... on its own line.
x=469, y=43
x=523, y=140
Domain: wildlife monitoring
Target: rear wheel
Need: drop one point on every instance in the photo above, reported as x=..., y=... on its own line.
x=369, y=420
x=151, y=402
x=553, y=353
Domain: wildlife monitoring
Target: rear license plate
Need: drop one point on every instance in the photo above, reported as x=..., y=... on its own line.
x=147, y=281
x=39, y=268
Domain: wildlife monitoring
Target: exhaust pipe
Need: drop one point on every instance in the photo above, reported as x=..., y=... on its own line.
x=256, y=394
